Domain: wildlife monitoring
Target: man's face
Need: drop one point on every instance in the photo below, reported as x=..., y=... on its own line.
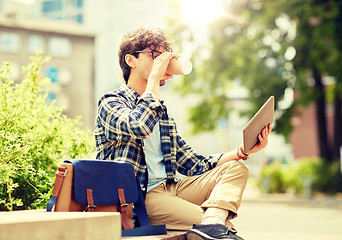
x=145, y=62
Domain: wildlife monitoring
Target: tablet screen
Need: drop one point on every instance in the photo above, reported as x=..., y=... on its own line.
x=261, y=119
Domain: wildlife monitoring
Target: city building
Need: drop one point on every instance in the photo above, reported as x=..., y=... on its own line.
x=69, y=10
x=71, y=68
x=109, y=20
x=304, y=137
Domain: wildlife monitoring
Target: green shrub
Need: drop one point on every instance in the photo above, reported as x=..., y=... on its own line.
x=303, y=176
x=329, y=178
x=271, y=178
x=34, y=137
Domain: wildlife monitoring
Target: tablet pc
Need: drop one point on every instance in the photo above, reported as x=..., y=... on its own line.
x=262, y=118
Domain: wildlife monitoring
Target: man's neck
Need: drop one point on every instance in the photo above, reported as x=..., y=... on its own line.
x=140, y=85
x=137, y=85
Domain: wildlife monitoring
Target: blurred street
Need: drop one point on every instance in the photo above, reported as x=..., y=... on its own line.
x=283, y=217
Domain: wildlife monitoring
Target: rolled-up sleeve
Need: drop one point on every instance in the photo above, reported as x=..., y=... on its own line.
x=191, y=163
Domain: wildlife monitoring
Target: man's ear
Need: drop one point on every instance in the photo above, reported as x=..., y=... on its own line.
x=130, y=60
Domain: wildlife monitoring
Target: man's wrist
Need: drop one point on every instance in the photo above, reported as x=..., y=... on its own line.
x=241, y=154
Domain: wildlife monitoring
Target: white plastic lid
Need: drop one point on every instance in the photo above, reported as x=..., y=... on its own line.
x=186, y=66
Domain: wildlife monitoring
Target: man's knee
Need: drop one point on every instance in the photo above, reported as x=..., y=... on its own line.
x=243, y=168
x=236, y=167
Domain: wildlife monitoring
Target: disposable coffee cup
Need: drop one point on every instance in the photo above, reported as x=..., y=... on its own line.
x=179, y=66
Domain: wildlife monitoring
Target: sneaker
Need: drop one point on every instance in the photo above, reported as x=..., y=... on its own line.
x=212, y=232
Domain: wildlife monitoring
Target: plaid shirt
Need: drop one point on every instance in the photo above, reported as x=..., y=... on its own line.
x=124, y=119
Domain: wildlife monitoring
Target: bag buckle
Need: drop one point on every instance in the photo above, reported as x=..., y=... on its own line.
x=122, y=206
x=90, y=206
x=64, y=172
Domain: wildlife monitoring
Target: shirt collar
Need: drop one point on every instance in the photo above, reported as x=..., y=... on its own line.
x=129, y=92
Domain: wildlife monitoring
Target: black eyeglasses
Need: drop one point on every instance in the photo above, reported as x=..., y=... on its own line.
x=155, y=53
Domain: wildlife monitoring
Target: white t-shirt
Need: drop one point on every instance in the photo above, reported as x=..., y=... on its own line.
x=154, y=159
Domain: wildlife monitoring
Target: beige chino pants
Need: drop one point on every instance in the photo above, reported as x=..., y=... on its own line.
x=180, y=205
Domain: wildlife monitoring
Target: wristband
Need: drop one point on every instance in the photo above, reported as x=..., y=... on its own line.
x=244, y=155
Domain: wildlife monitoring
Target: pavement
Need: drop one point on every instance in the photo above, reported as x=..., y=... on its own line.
x=288, y=217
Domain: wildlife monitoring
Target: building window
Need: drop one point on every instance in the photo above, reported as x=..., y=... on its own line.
x=35, y=43
x=52, y=6
x=77, y=3
x=9, y=42
x=53, y=74
x=59, y=47
x=78, y=18
x=51, y=97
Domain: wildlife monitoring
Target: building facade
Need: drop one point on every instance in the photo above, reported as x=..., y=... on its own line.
x=71, y=68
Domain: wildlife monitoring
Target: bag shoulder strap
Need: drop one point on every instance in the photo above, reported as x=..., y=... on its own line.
x=123, y=209
x=144, y=228
x=60, y=175
x=140, y=208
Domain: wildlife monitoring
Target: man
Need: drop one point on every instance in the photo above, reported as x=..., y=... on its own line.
x=133, y=126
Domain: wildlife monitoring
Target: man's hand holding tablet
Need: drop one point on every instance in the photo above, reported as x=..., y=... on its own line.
x=256, y=131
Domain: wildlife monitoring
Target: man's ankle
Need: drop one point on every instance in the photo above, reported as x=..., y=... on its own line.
x=215, y=216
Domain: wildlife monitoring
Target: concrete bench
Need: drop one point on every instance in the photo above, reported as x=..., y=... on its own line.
x=171, y=235
x=42, y=225
x=39, y=225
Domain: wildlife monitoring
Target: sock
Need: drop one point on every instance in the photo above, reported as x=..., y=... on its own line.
x=215, y=216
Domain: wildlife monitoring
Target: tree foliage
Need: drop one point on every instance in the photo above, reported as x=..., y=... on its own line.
x=319, y=54
x=34, y=136
x=271, y=47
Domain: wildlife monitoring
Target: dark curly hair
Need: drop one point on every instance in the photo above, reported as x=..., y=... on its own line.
x=139, y=40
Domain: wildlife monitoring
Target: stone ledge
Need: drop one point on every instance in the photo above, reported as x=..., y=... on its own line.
x=171, y=235
x=38, y=225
